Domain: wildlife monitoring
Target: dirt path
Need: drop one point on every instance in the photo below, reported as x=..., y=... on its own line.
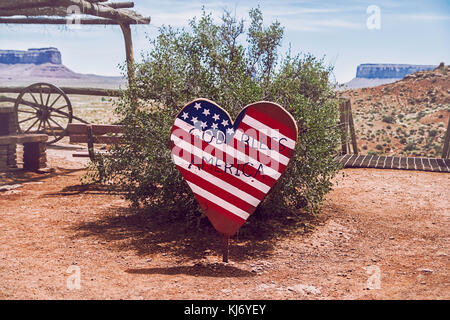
x=383, y=234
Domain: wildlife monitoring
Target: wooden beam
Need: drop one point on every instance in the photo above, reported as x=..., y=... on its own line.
x=104, y=11
x=45, y=10
x=126, y=30
x=75, y=138
x=119, y=5
x=60, y=21
x=22, y=4
x=70, y=90
x=59, y=8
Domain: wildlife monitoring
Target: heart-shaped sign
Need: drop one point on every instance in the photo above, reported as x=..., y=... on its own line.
x=231, y=167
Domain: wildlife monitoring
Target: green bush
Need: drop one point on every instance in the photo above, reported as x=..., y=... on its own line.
x=410, y=146
x=388, y=119
x=209, y=60
x=433, y=133
x=420, y=115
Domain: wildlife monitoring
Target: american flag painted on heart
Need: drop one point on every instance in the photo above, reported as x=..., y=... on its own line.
x=230, y=167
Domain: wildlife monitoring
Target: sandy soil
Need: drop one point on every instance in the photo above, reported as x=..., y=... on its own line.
x=382, y=234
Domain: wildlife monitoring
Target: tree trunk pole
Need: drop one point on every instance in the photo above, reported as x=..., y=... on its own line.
x=126, y=30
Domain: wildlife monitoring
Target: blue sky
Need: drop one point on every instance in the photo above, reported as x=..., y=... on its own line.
x=415, y=32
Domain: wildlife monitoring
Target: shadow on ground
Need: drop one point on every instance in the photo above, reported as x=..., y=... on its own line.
x=148, y=234
x=205, y=270
x=23, y=176
x=88, y=188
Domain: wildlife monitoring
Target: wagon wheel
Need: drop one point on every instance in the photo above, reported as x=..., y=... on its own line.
x=43, y=108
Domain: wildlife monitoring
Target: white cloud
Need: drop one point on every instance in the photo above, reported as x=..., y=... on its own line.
x=300, y=16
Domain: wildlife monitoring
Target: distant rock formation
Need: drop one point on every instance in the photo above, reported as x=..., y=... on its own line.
x=22, y=68
x=31, y=56
x=374, y=74
x=389, y=71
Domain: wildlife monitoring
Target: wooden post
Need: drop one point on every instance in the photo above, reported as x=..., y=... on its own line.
x=445, y=149
x=343, y=125
x=126, y=30
x=90, y=142
x=352, y=127
x=226, y=247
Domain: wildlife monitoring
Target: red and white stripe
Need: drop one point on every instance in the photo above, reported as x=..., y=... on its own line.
x=236, y=196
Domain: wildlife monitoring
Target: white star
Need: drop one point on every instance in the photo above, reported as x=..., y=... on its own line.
x=197, y=106
x=214, y=126
x=206, y=112
x=194, y=120
x=185, y=115
x=230, y=131
x=225, y=123
x=216, y=117
x=203, y=125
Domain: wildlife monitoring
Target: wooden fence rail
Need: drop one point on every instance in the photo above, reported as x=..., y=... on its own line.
x=71, y=90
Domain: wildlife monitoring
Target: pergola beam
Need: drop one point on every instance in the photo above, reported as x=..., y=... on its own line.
x=119, y=5
x=105, y=11
x=23, y=4
x=33, y=12
x=59, y=8
x=60, y=21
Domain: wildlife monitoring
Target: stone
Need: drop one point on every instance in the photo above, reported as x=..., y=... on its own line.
x=425, y=270
x=304, y=289
x=9, y=187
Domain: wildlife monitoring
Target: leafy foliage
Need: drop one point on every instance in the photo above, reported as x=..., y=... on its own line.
x=212, y=61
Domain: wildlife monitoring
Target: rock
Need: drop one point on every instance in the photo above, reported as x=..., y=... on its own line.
x=33, y=182
x=386, y=71
x=31, y=56
x=373, y=74
x=226, y=291
x=9, y=187
x=424, y=270
x=264, y=286
x=304, y=289
x=260, y=266
x=12, y=192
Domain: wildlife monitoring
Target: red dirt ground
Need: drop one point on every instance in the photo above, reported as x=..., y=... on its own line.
x=386, y=225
